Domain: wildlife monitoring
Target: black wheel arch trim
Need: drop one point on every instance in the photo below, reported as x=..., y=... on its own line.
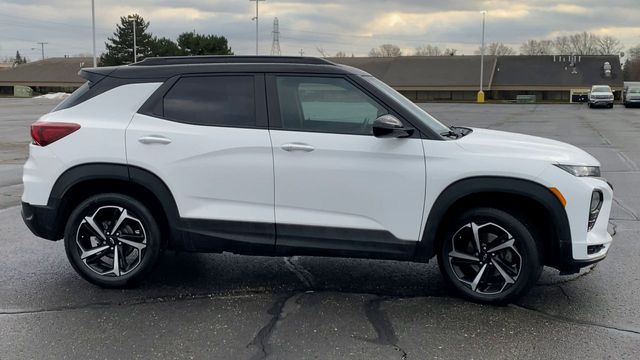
x=111, y=171
x=460, y=189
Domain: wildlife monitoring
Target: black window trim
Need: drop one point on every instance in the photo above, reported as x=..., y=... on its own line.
x=275, y=120
x=154, y=105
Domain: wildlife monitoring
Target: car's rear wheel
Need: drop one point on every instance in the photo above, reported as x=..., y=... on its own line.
x=489, y=256
x=112, y=240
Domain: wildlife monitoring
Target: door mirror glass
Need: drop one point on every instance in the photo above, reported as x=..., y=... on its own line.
x=388, y=126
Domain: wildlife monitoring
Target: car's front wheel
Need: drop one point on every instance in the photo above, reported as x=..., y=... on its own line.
x=489, y=256
x=112, y=240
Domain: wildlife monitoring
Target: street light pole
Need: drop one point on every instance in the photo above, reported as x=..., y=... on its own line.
x=481, y=92
x=135, y=54
x=256, y=19
x=93, y=30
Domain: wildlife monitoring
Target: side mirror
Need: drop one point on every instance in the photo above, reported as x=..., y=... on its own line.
x=388, y=126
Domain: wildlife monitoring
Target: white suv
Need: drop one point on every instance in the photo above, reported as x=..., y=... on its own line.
x=601, y=95
x=299, y=156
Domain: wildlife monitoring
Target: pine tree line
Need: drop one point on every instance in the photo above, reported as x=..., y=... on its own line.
x=120, y=45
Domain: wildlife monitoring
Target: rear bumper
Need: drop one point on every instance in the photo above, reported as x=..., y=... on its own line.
x=42, y=221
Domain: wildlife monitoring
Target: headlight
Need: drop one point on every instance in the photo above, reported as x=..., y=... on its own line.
x=594, y=208
x=579, y=170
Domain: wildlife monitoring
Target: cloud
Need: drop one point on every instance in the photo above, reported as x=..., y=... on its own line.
x=353, y=26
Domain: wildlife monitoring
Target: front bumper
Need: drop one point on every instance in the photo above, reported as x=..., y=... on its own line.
x=42, y=221
x=601, y=102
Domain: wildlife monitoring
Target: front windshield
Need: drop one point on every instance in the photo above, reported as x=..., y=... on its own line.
x=417, y=111
x=601, y=89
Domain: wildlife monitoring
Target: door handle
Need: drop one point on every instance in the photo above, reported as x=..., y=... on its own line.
x=297, y=147
x=154, y=139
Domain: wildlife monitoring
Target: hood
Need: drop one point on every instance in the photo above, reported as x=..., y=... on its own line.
x=601, y=93
x=513, y=145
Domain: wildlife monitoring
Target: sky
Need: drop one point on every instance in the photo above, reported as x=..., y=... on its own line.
x=352, y=26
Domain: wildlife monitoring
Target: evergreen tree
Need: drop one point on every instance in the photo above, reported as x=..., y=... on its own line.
x=19, y=59
x=192, y=43
x=120, y=46
x=165, y=47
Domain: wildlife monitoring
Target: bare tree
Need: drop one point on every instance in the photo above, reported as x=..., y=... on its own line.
x=496, y=48
x=341, y=54
x=428, y=50
x=434, y=50
x=450, y=52
x=562, y=45
x=386, y=50
x=536, y=47
x=609, y=45
x=584, y=43
x=321, y=51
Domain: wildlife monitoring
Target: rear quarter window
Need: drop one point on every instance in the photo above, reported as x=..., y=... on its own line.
x=74, y=99
x=212, y=100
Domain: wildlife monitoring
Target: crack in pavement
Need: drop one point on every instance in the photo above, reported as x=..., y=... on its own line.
x=382, y=325
x=626, y=208
x=564, y=319
x=564, y=292
x=279, y=310
x=299, y=271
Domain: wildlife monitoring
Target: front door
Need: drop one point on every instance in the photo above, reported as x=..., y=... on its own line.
x=337, y=187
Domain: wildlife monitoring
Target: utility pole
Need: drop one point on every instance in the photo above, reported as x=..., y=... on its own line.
x=135, y=55
x=256, y=19
x=481, y=92
x=93, y=30
x=275, y=46
x=42, y=44
x=301, y=52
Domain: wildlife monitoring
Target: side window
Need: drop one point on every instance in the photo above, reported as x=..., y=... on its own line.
x=212, y=100
x=332, y=105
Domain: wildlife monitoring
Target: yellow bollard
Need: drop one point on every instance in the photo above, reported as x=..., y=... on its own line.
x=480, y=96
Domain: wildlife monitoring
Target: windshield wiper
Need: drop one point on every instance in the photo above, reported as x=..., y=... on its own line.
x=450, y=134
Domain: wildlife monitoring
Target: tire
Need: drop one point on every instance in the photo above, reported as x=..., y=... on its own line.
x=610, y=106
x=136, y=242
x=589, y=105
x=518, y=260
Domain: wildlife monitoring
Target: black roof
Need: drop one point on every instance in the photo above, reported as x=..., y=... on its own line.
x=424, y=71
x=546, y=71
x=231, y=59
x=161, y=68
x=557, y=70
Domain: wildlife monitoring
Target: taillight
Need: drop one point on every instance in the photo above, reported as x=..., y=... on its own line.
x=45, y=133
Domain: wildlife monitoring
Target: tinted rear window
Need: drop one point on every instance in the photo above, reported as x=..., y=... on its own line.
x=212, y=100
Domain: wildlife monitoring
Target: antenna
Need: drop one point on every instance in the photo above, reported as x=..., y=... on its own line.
x=275, y=46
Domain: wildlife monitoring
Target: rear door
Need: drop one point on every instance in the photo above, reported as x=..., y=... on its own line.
x=337, y=187
x=206, y=137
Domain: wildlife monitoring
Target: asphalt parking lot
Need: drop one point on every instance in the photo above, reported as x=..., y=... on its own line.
x=236, y=307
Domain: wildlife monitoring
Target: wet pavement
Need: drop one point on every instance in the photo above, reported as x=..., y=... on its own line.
x=239, y=307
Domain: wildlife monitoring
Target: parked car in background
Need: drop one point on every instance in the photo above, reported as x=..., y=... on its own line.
x=284, y=156
x=601, y=95
x=632, y=96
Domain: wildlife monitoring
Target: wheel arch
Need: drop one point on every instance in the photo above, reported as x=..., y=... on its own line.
x=82, y=181
x=520, y=196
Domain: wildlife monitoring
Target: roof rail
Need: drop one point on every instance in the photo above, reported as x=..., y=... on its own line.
x=231, y=59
